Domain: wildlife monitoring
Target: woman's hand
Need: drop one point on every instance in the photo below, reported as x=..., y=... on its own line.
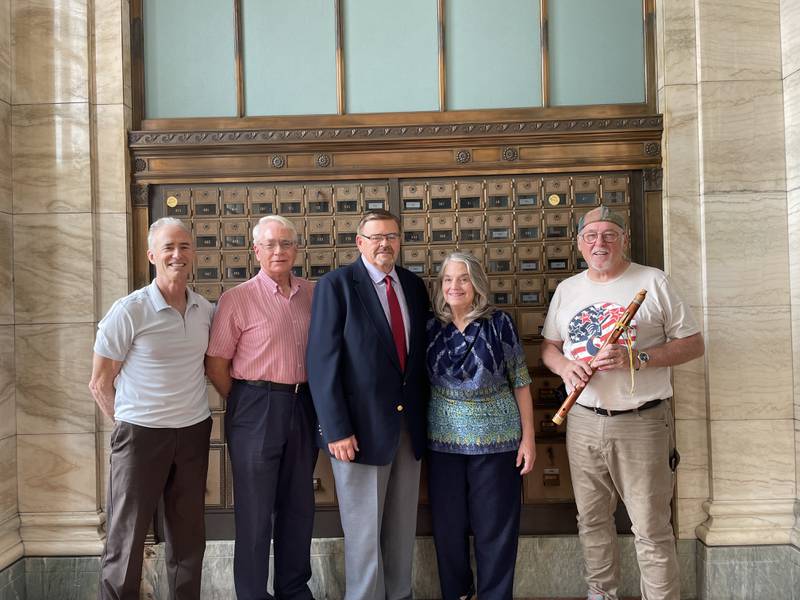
x=526, y=455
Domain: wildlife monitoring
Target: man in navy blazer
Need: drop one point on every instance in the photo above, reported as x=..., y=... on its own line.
x=366, y=369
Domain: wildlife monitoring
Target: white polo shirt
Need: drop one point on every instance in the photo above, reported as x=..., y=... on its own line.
x=162, y=380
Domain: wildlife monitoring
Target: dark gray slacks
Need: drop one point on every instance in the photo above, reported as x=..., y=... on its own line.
x=147, y=463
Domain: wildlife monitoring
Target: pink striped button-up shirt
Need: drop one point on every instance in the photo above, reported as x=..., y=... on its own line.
x=263, y=332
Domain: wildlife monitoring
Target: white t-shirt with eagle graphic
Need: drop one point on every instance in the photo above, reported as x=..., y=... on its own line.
x=583, y=313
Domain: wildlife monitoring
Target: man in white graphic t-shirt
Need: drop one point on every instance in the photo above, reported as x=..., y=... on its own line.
x=619, y=437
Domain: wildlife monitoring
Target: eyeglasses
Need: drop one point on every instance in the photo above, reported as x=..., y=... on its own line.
x=609, y=237
x=272, y=244
x=381, y=237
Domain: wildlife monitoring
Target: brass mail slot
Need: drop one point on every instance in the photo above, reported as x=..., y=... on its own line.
x=543, y=423
x=552, y=284
x=530, y=322
x=261, y=200
x=290, y=200
x=437, y=258
x=533, y=354
x=217, y=427
x=530, y=291
x=500, y=259
x=475, y=249
x=498, y=194
x=206, y=266
x=319, y=200
x=470, y=195
x=205, y=202
x=346, y=230
x=215, y=477
x=300, y=225
x=586, y=190
x=558, y=257
x=346, y=256
x=178, y=202
x=556, y=225
x=556, y=192
x=550, y=478
x=528, y=226
x=499, y=227
x=324, y=487
x=235, y=234
x=235, y=265
x=376, y=197
x=443, y=228
x=215, y=401
x=347, y=197
x=529, y=258
x=416, y=260
x=527, y=193
x=209, y=291
x=234, y=202
x=415, y=229
x=319, y=262
x=299, y=266
x=501, y=290
x=413, y=197
x=615, y=189
x=441, y=196
x=206, y=234
x=320, y=231
x=470, y=227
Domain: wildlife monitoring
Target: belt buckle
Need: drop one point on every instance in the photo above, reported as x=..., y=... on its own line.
x=296, y=389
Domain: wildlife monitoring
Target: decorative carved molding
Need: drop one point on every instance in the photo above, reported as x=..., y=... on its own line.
x=278, y=161
x=140, y=194
x=463, y=157
x=653, y=179
x=510, y=153
x=323, y=160
x=652, y=148
x=139, y=165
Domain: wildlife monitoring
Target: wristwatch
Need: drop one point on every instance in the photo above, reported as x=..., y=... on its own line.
x=644, y=358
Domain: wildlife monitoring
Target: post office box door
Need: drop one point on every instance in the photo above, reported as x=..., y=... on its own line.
x=500, y=259
x=261, y=200
x=209, y=291
x=587, y=191
x=533, y=354
x=528, y=226
x=615, y=189
x=530, y=291
x=206, y=234
x=499, y=227
x=413, y=197
x=441, y=196
x=215, y=477
x=235, y=234
x=319, y=262
x=557, y=225
x=527, y=193
x=502, y=290
x=470, y=195
x=324, y=485
x=529, y=258
x=376, y=197
x=178, y=202
x=319, y=231
x=300, y=225
x=348, y=198
x=319, y=200
x=437, y=257
x=234, y=202
x=299, y=266
x=470, y=227
x=415, y=229
x=346, y=256
x=346, y=229
x=476, y=250
x=550, y=478
x=558, y=257
x=498, y=194
x=552, y=284
x=205, y=202
x=443, y=228
x=290, y=200
x=235, y=265
x=556, y=192
x=530, y=322
x=207, y=266
x=543, y=423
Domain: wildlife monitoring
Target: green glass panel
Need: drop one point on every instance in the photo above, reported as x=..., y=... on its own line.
x=289, y=57
x=189, y=59
x=493, y=54
x=596, y=52
x=391, y=55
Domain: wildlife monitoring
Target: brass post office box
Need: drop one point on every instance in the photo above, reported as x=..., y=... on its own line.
x=442, y=196
x=290, y=200
x=443, y=229
x=548, y=391
x=416, y=260
x=319, y=231
x=615, y=189
x=498, y=194
x=587, y=191
x=415, y=229
x=215, y=477
x=229, y=285
x=470, y=227
x=432, y=284
x=437, y=258
x=178, y=202
x=324, y=485
x=207, y=266
x=346, y=229
x=348, y=198
x=215, y=401
x=499, y=227
x=206, y=234
x=319, y=200
x=543, y=423
x=299, y=266
x=529, y=226
x=235, y=266
x=556, y=192
x=217, y=427
x=476, y=250
x=533, y=354
x=530, y=291
x=557, y=257
x=376, y=197
x=346, y=256
x=527, y=193
x=234, y=202
x=235, y=234
x=557, y=225
x=550, y=478
x=500, y=259
x=413, y=197
x=470, y=195
x=552, y=284
x=205, y=202
x=530, y=322
x=300, y=225
x=319, y=262
x=529, y=258
x=261, y=200
x=501, y=290
x=209, y=291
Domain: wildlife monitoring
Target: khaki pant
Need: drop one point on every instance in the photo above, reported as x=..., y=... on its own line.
x=625, y=456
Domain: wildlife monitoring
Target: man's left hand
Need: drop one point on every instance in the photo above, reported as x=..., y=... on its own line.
x=613, y=356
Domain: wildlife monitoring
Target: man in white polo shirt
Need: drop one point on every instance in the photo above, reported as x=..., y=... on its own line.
x=148, y=376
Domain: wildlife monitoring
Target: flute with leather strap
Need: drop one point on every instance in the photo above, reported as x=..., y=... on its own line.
x=619, y=328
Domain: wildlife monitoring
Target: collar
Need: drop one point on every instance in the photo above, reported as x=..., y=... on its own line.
x=376, y=275
x=272, y=285
x=157, y=298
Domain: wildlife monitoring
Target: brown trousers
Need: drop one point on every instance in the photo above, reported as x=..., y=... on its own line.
x=147, y=463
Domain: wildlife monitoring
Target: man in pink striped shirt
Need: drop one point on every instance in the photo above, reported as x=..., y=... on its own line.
x=256, y=360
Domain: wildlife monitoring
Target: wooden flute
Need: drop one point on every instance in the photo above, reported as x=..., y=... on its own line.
x=619, y=328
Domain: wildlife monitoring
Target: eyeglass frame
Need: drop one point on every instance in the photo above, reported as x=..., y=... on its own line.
x=617, y=236
x=273, y=245
x=381, y=237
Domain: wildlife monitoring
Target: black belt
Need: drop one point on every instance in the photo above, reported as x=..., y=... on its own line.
x=294, y=388
x=611, y=413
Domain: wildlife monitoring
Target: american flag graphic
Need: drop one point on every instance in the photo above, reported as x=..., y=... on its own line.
x=592, y=325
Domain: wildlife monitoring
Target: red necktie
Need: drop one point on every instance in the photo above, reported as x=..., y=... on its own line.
x=396, y=321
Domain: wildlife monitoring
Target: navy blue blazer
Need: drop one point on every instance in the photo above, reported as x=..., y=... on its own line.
x=353, y=367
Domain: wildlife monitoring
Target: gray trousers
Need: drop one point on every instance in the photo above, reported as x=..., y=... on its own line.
x=378, y=508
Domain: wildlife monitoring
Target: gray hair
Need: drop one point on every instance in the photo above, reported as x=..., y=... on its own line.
x=164, y=222
x=477, y=275
x=282, y=221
